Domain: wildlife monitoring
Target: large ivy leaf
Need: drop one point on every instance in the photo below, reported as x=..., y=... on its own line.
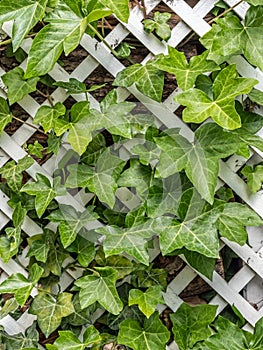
x=43, y=191
x=147, y=300
x=18, y=86
x=26, y=14
x=196, y=230
x=100, y=286
x=222, y=107
x=64, y=32
x=5, y=115
x=254, y=177
x=50, y=311
x=153, y=335
x=71, y=222
x=20, y=285
x=191, y=324
x=186, y=73
x=13, y=173
x=21, y=341
x=48, y=116
x=234, y=218
x=229, y=36
x=119, y=7
x=132, y=241
x=67, y=340
x=148, y=79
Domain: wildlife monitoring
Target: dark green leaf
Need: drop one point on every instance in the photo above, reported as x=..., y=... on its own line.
x=5, y=115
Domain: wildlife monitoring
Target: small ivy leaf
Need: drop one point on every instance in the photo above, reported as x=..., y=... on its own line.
x=196, y=230
x=13, y=173
x=80, y=175
x=254, y=177
x=122, y=265
x=148, y=79
x=74, y=86
x=43, y=191
x=119, y=7
x=186, y=73
x=18, y=86
x=26, y=14
x=67, y=340
x=159, y=24
x=132, y=241
x=229, y=37
x=50, y=311
x=20, y=341
x=40, y=246
x=10, y=306
x=71, y=222
x=48, y=116
x=234, y=218
x=84, y=249
x=5, y=115
x=147, y=300
x=20, y=285
x=80, y=316
x=152, y=336
x=191, y=324
x=222, y=108
x=100, y=286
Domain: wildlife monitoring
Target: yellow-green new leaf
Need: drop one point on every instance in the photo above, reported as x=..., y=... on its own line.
x=5, y=115
x=48, y=116
x=119, y=7
x=147, y=300
x=222, y=107
x=254, y=177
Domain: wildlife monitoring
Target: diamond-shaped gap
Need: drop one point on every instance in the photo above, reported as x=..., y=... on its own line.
x=19, y=116
x=41, y=138
x=44, y=90
x=162, y=7
x=71, y=61
x=253, y=292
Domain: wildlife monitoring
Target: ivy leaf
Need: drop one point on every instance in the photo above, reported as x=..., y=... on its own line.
x=196, y=231
x=10, y=306
x=35, y=149
x=20, y=285
x=200, y=262
x=152, y=336
x=256, y=96
x=147, y=300
x=159, y=25
x=18, y=85
x=74, y=86
x=71, y=222
x=80, y=316
x=132, y=241
x=67, y=340
x=5, y=115
x=84, y=249
x=186, y=73
x=254, y=177
x=13, y=173
x=43, y=191
x=222, y=107
x=119, y=7
x=147, y=78
x=80, y=175
x=47, y=116
x=234, y=218
x=254, y=2
x=25, y=13
x=191, y=324
x=66, y=30
x=100, y=286
x=20, y=341
x=40, y=246
x=50, y=311
x=229, y=37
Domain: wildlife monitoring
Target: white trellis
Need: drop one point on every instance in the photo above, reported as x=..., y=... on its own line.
x=249, y=278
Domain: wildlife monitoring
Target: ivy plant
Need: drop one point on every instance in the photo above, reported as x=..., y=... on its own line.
x=140, y=188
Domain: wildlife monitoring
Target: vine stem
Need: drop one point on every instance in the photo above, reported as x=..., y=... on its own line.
x=28, y=124
x=115, y=53
x=9, y=41
x=212, y=20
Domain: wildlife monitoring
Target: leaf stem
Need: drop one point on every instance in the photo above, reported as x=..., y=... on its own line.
x=114, y=52
x=28, y=124
x=9, y=41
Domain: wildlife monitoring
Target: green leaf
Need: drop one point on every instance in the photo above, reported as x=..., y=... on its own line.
x=26, y=14
x=13, y=173
x=71, y=222
x=5, y=115
x=35, y=149
x=50, y=311
x=191, y=324
x=132, y=241
x=254, y=2
x=159, y=25
x=254, y=177
x=43, y=191
x=120, y=8
x=18, y=85
x=229, y=37
x=20, y=285
x=222, y=107
x=40, y=246
x=10, y=306
x=100, y=286
x=232, y=220
x=200, y=262
x=147, y=78
x=256, y=96
x=147, y=300
x=20, y=341
x=152, y=336
x=186, y=73
x=80, y=175
x=64, y=32
x=67, y=340
x=84, y=249
x=80, y=316
x=196, y=230
x=48, y=116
